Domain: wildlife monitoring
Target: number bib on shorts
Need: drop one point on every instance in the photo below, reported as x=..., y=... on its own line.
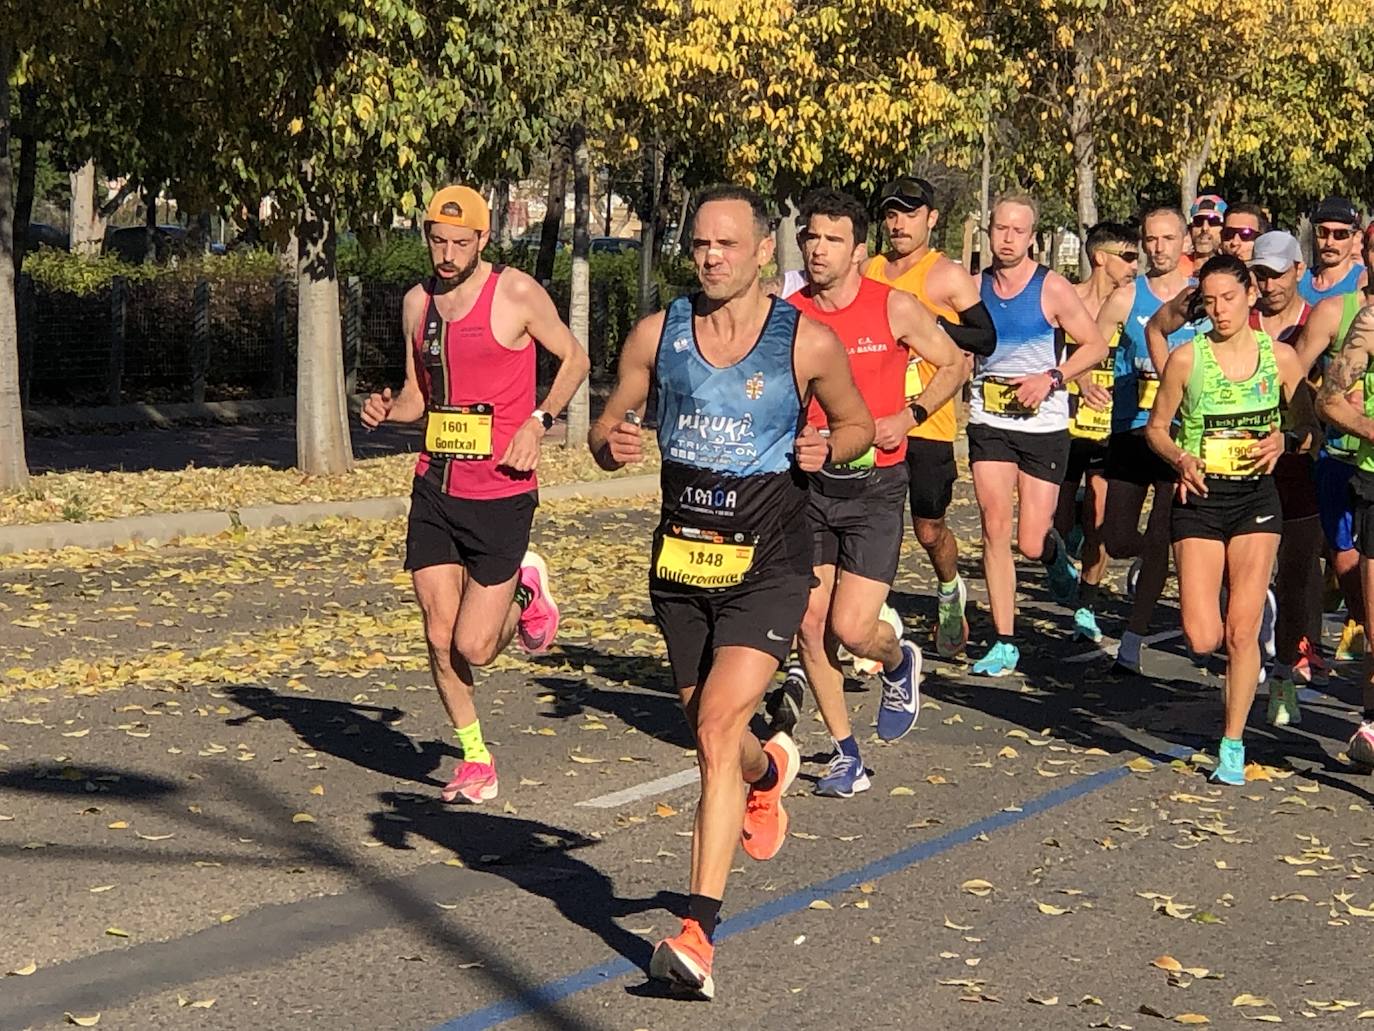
x=1147, y=386
x=1228, y=453
x=461, y=432
x=999, y=398
x=1086, y=421
x=704, y=558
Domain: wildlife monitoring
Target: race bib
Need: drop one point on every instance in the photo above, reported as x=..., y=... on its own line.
x=914, y=383
x=1085, y=421
x=1229, y=453
x=461, y=432
x=704, y=558
x=999, y=398
x=1146, y=389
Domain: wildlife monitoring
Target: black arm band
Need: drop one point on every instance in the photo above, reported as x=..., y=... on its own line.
x=975, y=333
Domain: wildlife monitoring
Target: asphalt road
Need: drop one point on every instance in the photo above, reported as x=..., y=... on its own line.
x=218, y=809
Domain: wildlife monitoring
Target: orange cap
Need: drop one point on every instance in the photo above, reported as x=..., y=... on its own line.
x=460, y=206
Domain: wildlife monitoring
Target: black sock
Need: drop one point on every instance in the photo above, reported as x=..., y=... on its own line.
x=769, y=780
x=1368, y=715
x=1005, y=640
x=523, y=596
x=705, y=911
x=1087, y=595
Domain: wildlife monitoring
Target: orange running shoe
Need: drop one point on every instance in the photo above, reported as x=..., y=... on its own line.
x=684, y=961
x=765, y=820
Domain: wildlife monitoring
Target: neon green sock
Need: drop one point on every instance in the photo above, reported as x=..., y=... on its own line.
x=474, y=748
x=948, y=589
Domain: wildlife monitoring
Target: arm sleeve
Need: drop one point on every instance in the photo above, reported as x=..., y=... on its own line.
x=975, y=333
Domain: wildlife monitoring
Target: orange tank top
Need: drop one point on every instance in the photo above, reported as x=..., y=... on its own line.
x=943, y=423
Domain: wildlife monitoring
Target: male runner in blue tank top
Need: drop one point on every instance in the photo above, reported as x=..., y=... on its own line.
x=1018, y=433
x=1132, y=468
x=1336, y=267
x=731, y=565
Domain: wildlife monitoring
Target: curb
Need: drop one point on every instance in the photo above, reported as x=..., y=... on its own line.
x=162, y=528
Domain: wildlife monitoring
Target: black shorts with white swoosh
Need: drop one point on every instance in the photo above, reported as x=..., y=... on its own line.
x=1230, y=509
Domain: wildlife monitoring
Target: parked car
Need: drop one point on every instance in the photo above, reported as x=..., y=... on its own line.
x=614, y=244
x=43, y=235
x=130, y=243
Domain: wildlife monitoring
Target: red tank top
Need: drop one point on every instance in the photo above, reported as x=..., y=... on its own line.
x=477, y=394
x=1256, y=322
x=876, y=360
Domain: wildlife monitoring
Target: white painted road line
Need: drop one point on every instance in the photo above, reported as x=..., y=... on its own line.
x=1101, y=649
x=645, y=790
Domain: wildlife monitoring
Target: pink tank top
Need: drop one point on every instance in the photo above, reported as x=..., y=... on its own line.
x=477, y=394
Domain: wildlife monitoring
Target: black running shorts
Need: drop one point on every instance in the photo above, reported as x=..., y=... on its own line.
x=1044, y=456
x=931, y=474
x=1086, y=458
x=488, y=538
x=1362, y=501
x=762, y=614
x=863, y=534
x=1231, y=508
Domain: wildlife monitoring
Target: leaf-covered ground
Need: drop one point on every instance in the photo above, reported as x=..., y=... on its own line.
x=83, y=496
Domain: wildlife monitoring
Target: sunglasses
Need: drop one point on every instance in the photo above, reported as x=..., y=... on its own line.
x=1205, y=220
x=1327, y=233
x=1129, y=257
x=1244, y=232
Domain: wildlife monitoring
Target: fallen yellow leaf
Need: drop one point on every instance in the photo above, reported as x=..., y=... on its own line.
x=977, y=887
x=302, y=818
x=90, y=1021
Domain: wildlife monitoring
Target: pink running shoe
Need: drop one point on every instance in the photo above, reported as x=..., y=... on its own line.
x=476, y=782
x=539, y=621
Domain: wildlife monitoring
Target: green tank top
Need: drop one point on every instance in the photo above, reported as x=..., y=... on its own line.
x=1220, y=419
x=1364, y=453
x=1344, y=446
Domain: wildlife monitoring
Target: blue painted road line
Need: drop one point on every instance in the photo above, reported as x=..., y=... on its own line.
x=552, y=992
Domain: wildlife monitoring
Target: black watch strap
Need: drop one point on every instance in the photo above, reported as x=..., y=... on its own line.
x=919, y=413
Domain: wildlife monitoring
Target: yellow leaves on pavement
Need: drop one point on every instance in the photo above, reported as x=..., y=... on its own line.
x=302, y=818
x=90, y=1021
x=23, y=971
x=1050, y=910
x=977, y=887
x=1140, y=765
x=115, y=932
x=819, y=904
x=198, y=1004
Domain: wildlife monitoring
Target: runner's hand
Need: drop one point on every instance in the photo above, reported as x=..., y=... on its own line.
x=377, y=408
x=1190, y=477
x=1266, y=452
x=811, y=450
x=1098, y=398
x=890, y=429
x=1032, y=390
x=522, y=453
x=626, y=443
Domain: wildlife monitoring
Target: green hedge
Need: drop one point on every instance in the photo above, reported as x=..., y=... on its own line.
x=61, y=272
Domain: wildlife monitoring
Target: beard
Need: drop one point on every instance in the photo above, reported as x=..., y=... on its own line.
x=460, y=273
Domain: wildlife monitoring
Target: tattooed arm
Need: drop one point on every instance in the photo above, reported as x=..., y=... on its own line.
x=1344, y=374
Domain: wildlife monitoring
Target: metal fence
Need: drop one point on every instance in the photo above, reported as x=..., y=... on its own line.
x=169, y=340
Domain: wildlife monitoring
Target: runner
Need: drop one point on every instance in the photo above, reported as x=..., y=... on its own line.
x=1336, y=267
x=1243, y=225
x=1205, y=219
x=1112, y=250
x=475, y=487
x=1225, y=386
x=1133, y=470
x=731, y=568
x=1318, y=346
x=1018, y=423
x=952, y=295
x=1292, y=610
x=856, y=509
x=1351, y=373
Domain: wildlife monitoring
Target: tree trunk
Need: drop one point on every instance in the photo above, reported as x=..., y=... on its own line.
x=322, y=442
x=580, y=302
x=150, y=223
x=87, y=226
x=985, y=196
x=500, y=213
x=789, y=255
x=14, y=467
x=663, y=210
x=1083, y=135
x=1194, y=161
x=28, y=171
x=553, y=212
x=648, y=241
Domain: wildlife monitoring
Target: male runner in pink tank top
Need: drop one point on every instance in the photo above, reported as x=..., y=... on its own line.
x=470, y=374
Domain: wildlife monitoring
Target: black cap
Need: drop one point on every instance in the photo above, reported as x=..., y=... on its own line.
x=1335, y=209
x=907, y=194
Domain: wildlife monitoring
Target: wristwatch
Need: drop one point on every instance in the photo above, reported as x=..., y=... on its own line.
x=919, y=413
x=1056, y=379
x=545, y=419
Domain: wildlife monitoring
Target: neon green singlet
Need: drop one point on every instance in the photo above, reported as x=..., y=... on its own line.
x=1220, y=418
